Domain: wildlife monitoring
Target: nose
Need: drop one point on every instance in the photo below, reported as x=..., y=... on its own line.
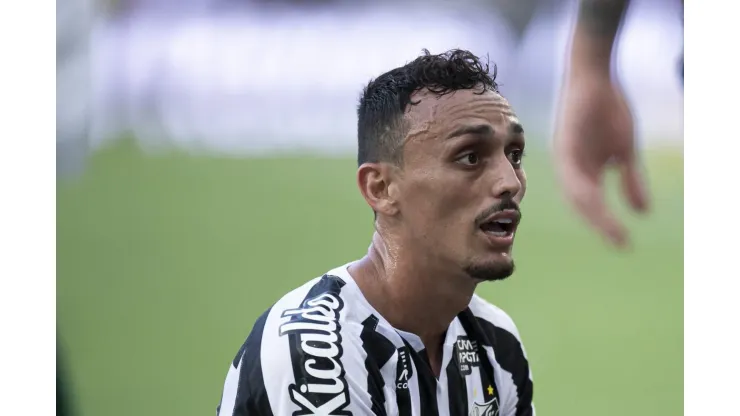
x=506, y=182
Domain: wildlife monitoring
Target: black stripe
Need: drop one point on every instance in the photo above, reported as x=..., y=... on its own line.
x=404, y=377
x=427, y=382
x=483, y=339
x=251, y=396
x=510, y=355
x=457, y=389
x=379, y=350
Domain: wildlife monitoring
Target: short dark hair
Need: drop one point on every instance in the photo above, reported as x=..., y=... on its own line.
x=380, y=127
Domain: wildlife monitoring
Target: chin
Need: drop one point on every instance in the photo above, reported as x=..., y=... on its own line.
x=491, y=270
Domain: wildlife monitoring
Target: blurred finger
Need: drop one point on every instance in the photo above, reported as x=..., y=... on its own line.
x=633, y=186
x=587, y=196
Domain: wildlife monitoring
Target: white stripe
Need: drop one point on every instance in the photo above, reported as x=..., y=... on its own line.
x=414, y=390
x=389, y=389
x=443, y=397
x=231, y=385
x=275, y=352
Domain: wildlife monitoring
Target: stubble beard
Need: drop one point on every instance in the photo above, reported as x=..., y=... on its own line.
x=490, y=271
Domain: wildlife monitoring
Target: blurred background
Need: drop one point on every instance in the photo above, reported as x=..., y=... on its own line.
x=205, y=164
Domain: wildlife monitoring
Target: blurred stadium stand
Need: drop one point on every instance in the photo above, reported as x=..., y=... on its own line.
x=208, y=74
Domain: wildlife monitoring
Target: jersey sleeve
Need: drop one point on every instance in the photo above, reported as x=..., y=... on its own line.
x=279, y=371
x=244, y=391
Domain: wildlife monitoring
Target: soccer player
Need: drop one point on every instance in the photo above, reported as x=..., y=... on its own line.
x=595, y=129
x=400, y=331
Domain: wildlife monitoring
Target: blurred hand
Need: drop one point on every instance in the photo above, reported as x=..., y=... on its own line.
x=595, y=131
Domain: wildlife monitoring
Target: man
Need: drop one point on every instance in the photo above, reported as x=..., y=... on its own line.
x=596, y=129
x=401, y=331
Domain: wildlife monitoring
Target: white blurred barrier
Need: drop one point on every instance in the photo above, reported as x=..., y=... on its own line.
x=73, y=89
x=246, y=84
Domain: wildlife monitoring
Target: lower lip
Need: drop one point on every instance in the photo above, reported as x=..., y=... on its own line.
x=499, y=241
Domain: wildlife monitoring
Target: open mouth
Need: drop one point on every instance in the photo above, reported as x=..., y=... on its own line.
x=503, y=224
x=499, y=228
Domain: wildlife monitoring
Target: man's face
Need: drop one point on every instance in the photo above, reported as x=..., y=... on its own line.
x=461, y=181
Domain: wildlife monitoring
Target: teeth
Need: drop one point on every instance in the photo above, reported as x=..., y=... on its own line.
x=504, y=221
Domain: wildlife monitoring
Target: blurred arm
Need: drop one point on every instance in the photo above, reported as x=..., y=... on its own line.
x=595, y=34
x=595, y=130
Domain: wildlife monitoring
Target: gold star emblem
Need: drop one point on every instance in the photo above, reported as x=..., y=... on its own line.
x=490, y=390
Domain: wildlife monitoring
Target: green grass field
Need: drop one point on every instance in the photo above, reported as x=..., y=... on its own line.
x=164, y=263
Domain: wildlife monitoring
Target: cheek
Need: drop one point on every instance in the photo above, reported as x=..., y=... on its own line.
x=522, y=180
x=434, y=199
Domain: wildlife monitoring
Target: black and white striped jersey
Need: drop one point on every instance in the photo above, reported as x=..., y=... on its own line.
x=323, y=350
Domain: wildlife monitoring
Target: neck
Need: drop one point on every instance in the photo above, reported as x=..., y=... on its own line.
x=411, y=294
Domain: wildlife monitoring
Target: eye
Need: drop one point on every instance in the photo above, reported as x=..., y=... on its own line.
x=469, y=159
x=515, y=157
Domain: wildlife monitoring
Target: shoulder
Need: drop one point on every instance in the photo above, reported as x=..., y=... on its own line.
x=321, y=296
x=500, y=332
x=297, y=349
x=314, y=308
x=492, y=317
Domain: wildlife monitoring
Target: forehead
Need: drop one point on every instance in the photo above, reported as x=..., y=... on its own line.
x=434, y=114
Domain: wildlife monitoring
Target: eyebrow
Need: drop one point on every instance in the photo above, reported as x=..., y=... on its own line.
x=473, y=130
x=517, y=128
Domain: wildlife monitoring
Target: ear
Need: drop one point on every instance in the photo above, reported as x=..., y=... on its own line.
x=375, y=181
